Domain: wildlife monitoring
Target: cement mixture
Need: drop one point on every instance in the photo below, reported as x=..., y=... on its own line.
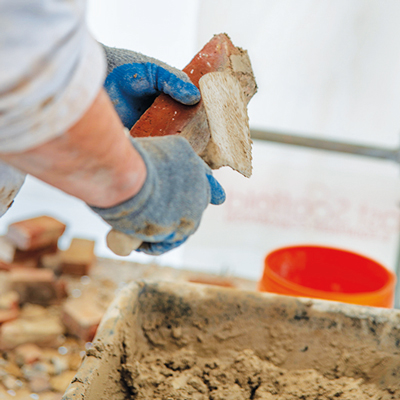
x=174, y=341
x=184, y=375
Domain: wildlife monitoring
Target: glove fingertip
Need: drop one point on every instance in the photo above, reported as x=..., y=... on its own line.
x=156, y=249
x=189, y=94
x=218, y=195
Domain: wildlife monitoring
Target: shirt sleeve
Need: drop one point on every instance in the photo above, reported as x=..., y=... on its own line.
x=11, y=181
x=51, y=70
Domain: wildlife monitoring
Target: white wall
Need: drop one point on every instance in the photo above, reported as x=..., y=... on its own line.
x=324, y=68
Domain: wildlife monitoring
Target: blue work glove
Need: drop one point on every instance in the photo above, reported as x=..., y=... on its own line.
x=168, y=208
x=134, y=81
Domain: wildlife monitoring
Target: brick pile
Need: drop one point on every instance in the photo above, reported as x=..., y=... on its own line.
x=50, y=308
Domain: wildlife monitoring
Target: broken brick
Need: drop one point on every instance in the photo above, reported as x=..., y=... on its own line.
x=40, y=383
x=61, y=382
x=51, y=261
x=10, y=254
x=78, y=258
x=9, y=300
x=36, y=254
x=43, y=331
x=81, y=317
x=35, y=233
x=9, y=306
x=9, y=315
x=169, y=117
x=38, y=286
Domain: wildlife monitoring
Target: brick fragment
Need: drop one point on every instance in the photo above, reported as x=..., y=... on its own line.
x=40, y=383
x=9, y=300
x=4, y=281
x=35, y=233
x=9, y=315
x=81, y=317
x=51, y=261
x=36, y=254
x=7, y=250
x=169, y=117
x=38, y=286
x=9, y=306
x=27, y=353
x=43, y=331
x=10, y=254
x=61, y=382
x=79, y=258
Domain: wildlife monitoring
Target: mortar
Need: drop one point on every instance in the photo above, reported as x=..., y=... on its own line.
x=335, y=339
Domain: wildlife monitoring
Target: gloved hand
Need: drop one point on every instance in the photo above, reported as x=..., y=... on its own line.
x=134, y=81
x=168, y=208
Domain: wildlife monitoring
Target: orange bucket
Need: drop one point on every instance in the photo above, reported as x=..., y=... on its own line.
x=328, y=273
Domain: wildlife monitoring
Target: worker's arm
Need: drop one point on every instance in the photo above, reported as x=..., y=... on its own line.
x=93, y=160
x=155, y=189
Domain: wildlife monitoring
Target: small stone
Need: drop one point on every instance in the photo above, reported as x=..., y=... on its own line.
x=40, y=383
x=10, y=383
x=50, y=396
x=13, y=370
x=74, y=361
x=60, y=383
x=176, y=332
x=27, y=353
x=61, y=364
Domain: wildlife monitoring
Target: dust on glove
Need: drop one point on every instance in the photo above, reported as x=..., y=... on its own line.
x=135, y=80
x=168, y=209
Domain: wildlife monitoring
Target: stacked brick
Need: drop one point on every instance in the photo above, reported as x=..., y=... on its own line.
x=41, y=312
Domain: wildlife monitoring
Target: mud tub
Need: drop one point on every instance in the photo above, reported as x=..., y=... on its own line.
x=206, y=330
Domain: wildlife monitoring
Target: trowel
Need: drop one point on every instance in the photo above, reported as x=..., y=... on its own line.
x=217, y=127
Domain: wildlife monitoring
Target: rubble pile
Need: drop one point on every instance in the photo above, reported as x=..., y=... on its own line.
x=50, y=308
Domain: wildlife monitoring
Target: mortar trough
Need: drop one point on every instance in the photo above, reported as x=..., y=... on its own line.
x=331, y=347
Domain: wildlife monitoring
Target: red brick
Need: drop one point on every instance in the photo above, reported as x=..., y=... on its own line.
x=38, y=286
x=11, y=254
x=79, y=258
x=169, y=117
x=35, y=233
x=81, y=317
x=34, y=255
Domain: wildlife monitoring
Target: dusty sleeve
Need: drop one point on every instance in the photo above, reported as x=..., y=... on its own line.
x=51, y=69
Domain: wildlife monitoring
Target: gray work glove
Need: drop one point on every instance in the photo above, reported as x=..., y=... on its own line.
x=168, y=208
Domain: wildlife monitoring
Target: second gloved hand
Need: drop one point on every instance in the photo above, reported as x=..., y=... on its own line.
x=135, y=80
x=168, y=208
